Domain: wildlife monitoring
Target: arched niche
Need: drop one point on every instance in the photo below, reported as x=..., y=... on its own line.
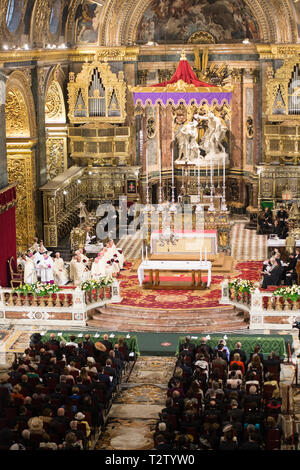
x=56, y=128
x=21, y=153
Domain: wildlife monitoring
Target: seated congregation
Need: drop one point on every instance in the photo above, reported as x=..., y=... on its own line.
x=278, y=225
x=221, y=400
x=56, y=396
x=276, y=272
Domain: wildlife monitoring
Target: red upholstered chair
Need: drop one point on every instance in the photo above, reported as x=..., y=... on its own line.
x=273, y=438
x=268, y=391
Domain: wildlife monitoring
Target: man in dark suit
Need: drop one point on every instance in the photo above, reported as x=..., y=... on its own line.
x=272, y=277
x=109, y=370
x=89, y=345
x=266, y=221
x=289, y=272
x=282, y=216
x=106, y=342
x=52, y=342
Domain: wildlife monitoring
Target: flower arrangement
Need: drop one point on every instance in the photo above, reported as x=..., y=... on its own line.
x=288, y=292
x=37, y=288
x=104, y=281
x=241, y=285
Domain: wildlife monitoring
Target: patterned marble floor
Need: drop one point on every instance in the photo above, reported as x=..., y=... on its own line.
x=134, y=413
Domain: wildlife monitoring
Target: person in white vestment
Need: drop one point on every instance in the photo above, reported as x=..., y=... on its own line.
x=88, y=238
x=59, y=271
x=71, y=264
x=115, y=264
x=121, y=258
x=86, y=276
x=46, y=266
x=84, y=258
x=78, y=270
x=98, y=267
x=109, y=271
x=30, y=276
x=38, y=259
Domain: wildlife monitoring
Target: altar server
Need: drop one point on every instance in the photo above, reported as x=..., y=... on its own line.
x=46, y=266
x=59, y=271
x=30, y=276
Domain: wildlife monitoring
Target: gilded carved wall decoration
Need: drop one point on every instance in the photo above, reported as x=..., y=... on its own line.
x=21, y=171
x=54, y=104
x=16, y=114
x=96, y=94
x=41, y=21
x=201, y=37
x=55, y=157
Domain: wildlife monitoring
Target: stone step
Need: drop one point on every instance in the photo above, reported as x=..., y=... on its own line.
x=182, y=324
x=131, y=325
x=171, y=316
x=136, y=311
x=164, y=328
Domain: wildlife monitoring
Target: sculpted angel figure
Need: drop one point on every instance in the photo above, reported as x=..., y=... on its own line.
x=215, y=134
x=187, y=138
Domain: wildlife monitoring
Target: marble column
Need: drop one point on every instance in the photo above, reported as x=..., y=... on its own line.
x=3, y=156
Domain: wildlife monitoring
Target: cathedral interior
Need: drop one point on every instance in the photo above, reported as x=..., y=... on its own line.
x=97, y=98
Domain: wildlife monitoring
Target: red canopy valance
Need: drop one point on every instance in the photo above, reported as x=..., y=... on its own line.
x=184, y=72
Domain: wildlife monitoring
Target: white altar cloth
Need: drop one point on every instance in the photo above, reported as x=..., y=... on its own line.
x=278, y=242
x=168, y=265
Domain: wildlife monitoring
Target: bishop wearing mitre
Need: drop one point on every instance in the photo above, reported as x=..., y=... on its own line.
x=59, y=271
x=46, y=267
x=30, y=276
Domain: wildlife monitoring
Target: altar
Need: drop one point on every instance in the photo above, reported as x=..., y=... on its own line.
x=169, y=266
x=188, y=242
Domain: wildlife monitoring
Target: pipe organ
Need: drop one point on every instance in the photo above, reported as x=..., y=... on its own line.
x=282, y=127
x=96, y=94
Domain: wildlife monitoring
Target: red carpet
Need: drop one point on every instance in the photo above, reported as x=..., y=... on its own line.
x=134, y=295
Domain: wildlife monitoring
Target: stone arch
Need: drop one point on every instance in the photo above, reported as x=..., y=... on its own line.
x=20, y=81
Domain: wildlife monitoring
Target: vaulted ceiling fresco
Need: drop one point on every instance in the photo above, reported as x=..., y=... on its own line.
x=176, y=21
x=129, y=22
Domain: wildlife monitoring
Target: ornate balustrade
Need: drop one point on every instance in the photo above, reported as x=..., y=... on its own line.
x=266, y=310
x=67, y=307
